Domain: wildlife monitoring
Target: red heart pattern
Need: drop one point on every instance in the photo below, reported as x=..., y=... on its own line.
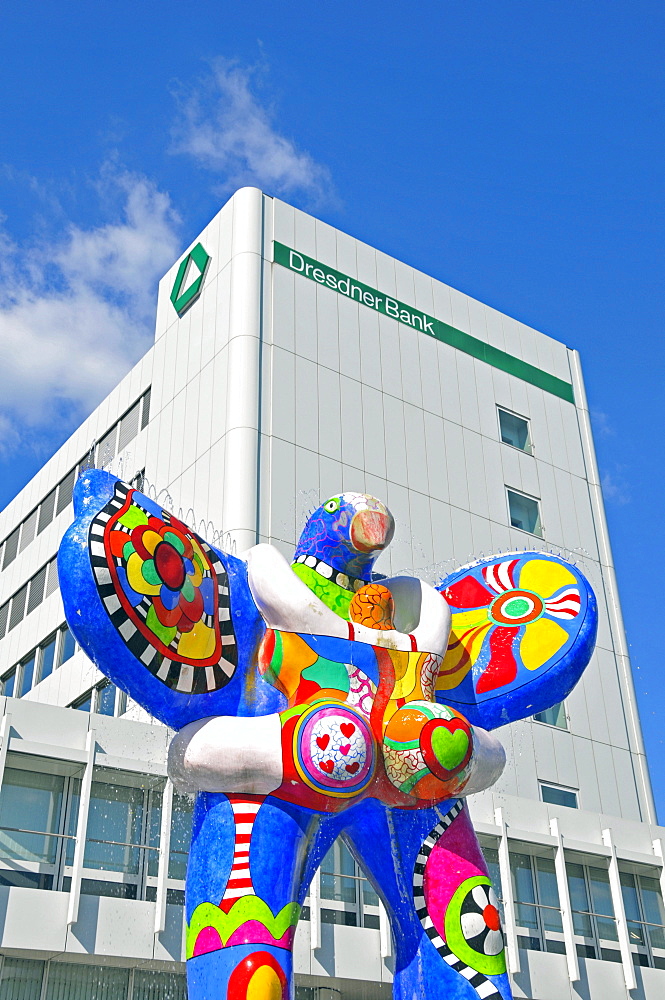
x=344, y=748
x=352, y=768
x=347, y=728
x=327, y=766
x=323, y=741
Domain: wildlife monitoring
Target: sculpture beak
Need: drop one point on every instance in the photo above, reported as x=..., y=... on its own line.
x=371, y=530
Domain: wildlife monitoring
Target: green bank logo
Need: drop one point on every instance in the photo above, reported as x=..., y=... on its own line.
x=189, y=279
x=418, y=320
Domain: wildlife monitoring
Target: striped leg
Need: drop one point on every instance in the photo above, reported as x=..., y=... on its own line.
x=240, y=883
x=245, y=883
x=428, y=868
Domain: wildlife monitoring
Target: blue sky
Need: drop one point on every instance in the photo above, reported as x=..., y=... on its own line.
x=513, y=150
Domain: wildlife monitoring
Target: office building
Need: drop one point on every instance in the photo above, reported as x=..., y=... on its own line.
x=291, y=362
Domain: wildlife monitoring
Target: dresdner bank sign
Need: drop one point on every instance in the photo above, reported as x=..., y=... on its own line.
x=418, y=320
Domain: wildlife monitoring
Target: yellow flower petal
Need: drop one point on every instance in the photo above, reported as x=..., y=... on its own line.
x=135, y=577
x=541, y=640
x=463, y=649
x=198, y=644
x=544, y=577
x=151, y=540
x=463, y=620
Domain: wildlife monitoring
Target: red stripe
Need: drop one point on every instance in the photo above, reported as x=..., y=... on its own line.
x=243, y=838
x=239, y=883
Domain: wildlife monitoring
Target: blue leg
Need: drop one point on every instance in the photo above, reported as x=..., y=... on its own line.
x=427, y=867
x=250, y=863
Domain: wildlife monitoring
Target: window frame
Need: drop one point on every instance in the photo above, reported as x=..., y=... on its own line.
x=366, y=914
x=540, y=934
x=529, y=449
x=558, y=788
x=527, y=496
x=553, y=725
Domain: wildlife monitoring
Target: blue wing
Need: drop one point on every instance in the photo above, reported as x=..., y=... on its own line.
x=169, y=618
x=523, y=630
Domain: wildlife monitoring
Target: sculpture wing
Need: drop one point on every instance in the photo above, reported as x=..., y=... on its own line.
x=161, y=612
x=523, y=630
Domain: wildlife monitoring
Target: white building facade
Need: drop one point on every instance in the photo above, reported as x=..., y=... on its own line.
x=292, y=362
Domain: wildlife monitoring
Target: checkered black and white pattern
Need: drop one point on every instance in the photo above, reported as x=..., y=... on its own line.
x=483, y=986
x=185, y=677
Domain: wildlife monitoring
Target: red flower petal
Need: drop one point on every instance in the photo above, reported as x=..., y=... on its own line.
x=502, y=667
x=166, y=617
x=192, y=609
x=467, y=593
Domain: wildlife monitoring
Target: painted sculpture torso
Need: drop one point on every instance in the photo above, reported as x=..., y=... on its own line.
x=315, y=700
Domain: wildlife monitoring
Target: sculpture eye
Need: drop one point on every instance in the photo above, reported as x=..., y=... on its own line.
x=332, y=505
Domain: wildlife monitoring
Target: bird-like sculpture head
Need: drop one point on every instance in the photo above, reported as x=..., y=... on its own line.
x=343, y=538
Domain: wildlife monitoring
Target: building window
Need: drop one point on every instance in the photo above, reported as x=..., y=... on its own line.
x=39, y=664
x=104, y=699
x=524, y=512
x=38, y=821
x=40, y=586
x=9, y=683
x=67, y=645
x=121, y=433
x=138, y=481
x=181, y=835
x=37, y=826
x=345, y=886
x=514, y=431
x=593, y=913
x=556, y=795
x=27, y=673
x=122, y=839
x=537, y=909
x=21, y=978
x=645, y=916
x=554, y=716
x=30, y=979
x=47, y=661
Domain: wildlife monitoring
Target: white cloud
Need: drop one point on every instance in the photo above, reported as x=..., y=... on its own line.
x=616, y=488
x=225, y=128
x=79, y=311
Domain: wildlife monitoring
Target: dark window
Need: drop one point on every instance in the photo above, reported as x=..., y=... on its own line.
x=554, y=716
x=4, y=614
x=129, y=426
x=67, y=645
x=84, y=703
x=27, y=673
x=558, y=796
x=95, y=887
x=47, y=657
x=339, y=917
x=106, y=698
x=106, y=448
x=65, y=490
x=9, y=683
x=51, y=577
x=524, y=513
x=17, y=612
x=11, y=547
x=28, y=529
x=145, y=416
x=46, y=510
x=514, y=430
x=36, y=595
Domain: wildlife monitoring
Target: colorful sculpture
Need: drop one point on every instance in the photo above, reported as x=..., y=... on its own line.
x=315, y=700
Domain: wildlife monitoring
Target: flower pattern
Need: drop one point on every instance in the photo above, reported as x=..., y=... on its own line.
x=510, y=613
x=166, y=576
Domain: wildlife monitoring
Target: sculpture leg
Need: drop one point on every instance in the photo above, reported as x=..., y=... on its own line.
x=427, y=867
x=246, y=879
